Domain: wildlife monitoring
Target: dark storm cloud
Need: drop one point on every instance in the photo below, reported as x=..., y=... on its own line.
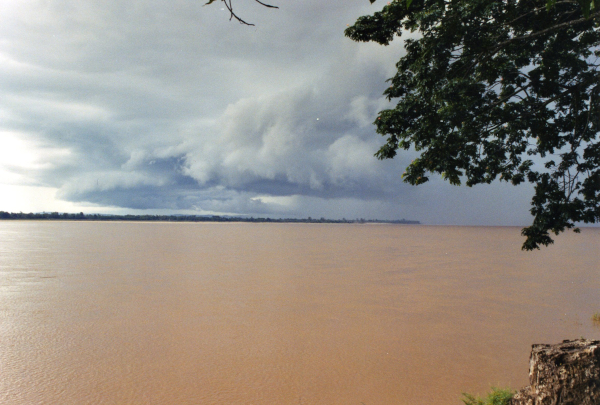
x=167, y=105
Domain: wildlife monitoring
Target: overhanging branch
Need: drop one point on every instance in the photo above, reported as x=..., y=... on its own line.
x=233, y=15
x=545, y=31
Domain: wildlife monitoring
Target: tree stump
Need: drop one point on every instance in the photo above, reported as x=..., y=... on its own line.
x=564, y=374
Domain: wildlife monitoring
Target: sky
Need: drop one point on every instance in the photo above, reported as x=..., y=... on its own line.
x=155, y=107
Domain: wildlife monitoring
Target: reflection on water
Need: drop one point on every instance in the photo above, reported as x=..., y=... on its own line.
x=158, y=313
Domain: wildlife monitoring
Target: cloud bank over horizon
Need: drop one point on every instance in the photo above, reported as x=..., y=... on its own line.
x=147, y=106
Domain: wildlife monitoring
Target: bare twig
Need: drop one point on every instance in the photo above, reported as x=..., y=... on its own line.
x=233, y=15
x=266, y=5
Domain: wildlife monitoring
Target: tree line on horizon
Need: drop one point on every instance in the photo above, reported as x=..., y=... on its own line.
x=186, y=218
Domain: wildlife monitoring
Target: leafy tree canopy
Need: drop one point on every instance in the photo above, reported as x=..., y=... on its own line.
x=498, y=89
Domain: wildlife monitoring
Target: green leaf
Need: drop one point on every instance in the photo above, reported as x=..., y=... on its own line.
x=489, y=87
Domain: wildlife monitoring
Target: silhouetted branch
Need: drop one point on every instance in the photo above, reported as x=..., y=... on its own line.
x=266, y=5
x=232, y=14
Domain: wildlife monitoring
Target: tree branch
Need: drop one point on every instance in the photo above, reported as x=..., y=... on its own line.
x=536, y=10
x=545, y=31
x=266, y=5
x=232, y=14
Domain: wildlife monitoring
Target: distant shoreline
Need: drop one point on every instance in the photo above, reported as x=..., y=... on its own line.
x=50, y=216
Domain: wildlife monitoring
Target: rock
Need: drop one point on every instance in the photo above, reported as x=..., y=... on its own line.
x=564, y=374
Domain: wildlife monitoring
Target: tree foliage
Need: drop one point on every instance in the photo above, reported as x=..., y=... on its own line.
x=498, y=89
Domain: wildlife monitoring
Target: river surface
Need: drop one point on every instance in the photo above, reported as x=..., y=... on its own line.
x=268, y=314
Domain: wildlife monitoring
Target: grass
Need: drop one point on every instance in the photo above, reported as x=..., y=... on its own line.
x=498, y=396
x=596, y=317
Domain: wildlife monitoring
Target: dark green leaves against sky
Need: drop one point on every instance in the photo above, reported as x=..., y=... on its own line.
x=505, y=90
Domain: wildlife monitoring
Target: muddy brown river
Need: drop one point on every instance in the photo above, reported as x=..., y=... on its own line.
x=267, y=314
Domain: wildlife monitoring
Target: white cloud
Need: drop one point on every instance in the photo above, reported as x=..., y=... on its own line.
x=153, y=105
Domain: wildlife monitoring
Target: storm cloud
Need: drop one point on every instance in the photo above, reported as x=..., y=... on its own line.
x=152, y=105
